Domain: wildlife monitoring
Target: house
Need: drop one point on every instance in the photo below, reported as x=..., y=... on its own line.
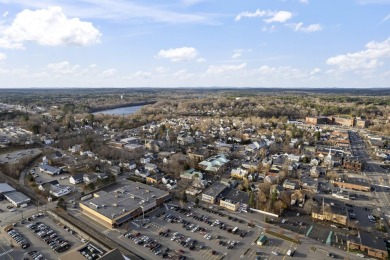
x=154, y=178
x=59, y=191
x=49, y=169
x=290, y=185
x=238, y=173
x=115, y=170
x=214, y=164
x=150, y=167
x=76, y=178
x=132, y=165
x=90, y=178
x=191, y=174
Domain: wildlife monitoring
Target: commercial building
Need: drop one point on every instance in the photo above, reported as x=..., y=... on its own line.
x=211, y=194
x=330, y=213
x=15, y=197
x=354, y=184
x=352, y=163
x=123, y=203
x=369, y=244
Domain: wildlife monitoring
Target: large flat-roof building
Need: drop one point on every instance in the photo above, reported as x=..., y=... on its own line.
x=15, y=197
x=211, y=194
x=123, y=203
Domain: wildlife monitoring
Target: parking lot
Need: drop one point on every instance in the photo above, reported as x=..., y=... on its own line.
x=38, y=232
x=8, y=211
x=14, y=157
x=198, y=234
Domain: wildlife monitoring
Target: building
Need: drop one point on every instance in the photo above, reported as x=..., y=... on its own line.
x=317, y=120
x=191, y=174
x=76, y=178
x=214, y=164
x=211, y=194
x=368, y=243
x=233, y=199
x=352, y=163
x=116, y=207
x=91, y=251
x=330, y=213
x=290, y=185
x=354, y=184
x=49, y=169
x=15, y=197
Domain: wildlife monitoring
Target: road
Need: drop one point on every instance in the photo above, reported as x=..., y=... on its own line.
x=376, y=174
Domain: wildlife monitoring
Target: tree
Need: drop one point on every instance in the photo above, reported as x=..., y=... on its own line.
x=251, y=199
x=184, y=197
x=196, y=201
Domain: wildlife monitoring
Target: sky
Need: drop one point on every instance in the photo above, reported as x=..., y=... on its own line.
x=195, y=43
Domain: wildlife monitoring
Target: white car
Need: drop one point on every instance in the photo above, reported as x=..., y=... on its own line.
x=360, y=255
x=275, y=253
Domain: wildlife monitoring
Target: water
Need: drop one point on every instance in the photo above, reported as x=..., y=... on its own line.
x=120, y=111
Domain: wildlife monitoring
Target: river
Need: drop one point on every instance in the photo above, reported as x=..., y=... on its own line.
x=120, y=111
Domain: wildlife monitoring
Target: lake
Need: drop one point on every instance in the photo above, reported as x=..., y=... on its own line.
x=120, y=111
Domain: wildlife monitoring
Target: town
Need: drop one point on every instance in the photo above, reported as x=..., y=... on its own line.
x=194, y=177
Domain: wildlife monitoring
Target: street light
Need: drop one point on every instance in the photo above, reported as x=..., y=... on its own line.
x=143, y=213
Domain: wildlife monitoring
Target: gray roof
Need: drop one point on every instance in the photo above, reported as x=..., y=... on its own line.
x=369, y=240
x=126, y=198
x=16, y=197
x=4, y=187
x=215, y=189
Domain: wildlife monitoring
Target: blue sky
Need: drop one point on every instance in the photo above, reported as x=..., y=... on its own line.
x=195, y=43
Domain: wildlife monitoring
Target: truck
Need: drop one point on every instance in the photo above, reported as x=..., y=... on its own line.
x=234, y=231
x=23, y=205
x=291, y=252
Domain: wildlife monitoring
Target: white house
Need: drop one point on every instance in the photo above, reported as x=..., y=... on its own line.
x=77, y=178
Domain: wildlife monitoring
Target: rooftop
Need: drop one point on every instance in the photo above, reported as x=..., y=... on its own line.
x=4, y=187
x=215, y=189
x=124, y=198
x=16, y=196
x=91, y=252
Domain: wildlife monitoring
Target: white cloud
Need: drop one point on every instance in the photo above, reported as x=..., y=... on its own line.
x=366, y=59
x=200, y=60
x=141, y=75
x=280, y=17
x=182, y=75
x=179, y=54
x=257, y=13
x=64, y=68
x=109, y=72
x=48, y=27
x=315, y=71
x=299, y=27
x=237, y=54
x=304, y=1
x=3, y=56
x=387, y=17
x=221, y=69
x=122, y=11
x=5, y=14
